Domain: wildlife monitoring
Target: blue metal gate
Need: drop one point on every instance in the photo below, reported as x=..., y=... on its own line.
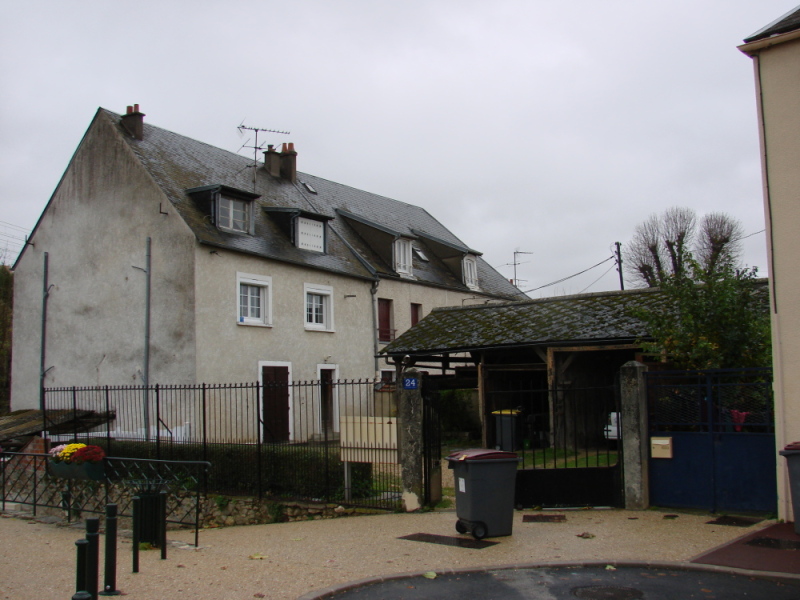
x=721, y=430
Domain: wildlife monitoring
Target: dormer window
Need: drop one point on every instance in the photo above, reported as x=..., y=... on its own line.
x=402, y=257
x=470, y=270
x=234, y=214
x=229, y=209
x=310, y=234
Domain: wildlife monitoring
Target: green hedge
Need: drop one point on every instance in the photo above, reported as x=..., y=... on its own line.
x=312, y=472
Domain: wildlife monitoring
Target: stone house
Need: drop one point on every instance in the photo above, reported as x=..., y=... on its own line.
x=162, y=259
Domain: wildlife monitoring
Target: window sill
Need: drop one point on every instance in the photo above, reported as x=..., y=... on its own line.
x=319, y=329
x=246, y=324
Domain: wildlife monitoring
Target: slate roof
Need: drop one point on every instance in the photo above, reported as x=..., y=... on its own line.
x=178, y=163
x=784, y=24
x=602, y=317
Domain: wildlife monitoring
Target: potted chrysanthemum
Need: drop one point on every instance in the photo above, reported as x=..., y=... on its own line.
x=77, y=461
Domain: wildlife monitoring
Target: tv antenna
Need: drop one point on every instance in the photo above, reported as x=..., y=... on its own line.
x=256, y=146
x=515, y=263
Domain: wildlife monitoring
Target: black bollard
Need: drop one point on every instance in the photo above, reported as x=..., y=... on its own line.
x=82, y=596
x=110, y=573
x=137, y=516
x=92, y=555
x=80, y=567
x=162, y=523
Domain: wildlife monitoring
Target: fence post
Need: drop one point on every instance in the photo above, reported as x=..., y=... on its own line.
x=409, y=442
x=110, y=572
x=92, y=555
x=633, y=425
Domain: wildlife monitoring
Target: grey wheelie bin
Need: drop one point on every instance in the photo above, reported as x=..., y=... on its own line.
x=484, y=482
x=792, y=454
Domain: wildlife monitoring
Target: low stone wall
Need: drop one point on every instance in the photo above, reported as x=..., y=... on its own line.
x=227, y=511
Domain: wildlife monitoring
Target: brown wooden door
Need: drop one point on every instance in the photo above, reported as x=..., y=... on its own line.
x=326, y=401
x=385, y=333
x=275, y=400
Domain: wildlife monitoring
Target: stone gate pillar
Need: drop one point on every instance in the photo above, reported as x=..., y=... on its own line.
x=409, y=438
x=633, y=425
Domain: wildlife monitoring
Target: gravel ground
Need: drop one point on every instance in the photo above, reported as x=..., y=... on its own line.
x=288, y=560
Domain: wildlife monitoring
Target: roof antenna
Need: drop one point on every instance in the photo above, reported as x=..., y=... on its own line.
x=256, y=146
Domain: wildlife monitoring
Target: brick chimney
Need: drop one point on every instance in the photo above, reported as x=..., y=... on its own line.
x=272, y=161
x=133, y=122
x=289, y=163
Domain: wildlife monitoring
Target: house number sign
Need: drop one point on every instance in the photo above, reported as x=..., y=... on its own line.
x=410, y=383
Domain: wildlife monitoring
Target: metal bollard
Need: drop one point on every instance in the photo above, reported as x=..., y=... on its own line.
x=137, y=517
x=80, y=567
x=92, y=555
x=110, y=573
x=162, y=523
x=82, y=596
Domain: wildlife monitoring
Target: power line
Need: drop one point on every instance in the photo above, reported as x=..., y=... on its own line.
x=570, y=276
x=598, y=279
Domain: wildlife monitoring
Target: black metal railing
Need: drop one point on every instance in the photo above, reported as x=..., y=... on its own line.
x=332, y=441
x=25, y=479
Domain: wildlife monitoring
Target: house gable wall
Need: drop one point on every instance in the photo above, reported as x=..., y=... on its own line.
x=94, y=230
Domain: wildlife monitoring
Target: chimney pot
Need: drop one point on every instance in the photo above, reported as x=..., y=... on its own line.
x=133, y=122
x=289, y=163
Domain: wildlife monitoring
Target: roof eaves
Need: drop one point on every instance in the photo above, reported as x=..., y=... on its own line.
x=367, y=222
x=459, y=247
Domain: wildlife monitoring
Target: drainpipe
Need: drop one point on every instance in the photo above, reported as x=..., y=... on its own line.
x=45, y=294
x=147, y=341
x=146, y=360
x=374, y=290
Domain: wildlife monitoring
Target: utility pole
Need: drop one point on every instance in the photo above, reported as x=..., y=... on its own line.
x=619, y=265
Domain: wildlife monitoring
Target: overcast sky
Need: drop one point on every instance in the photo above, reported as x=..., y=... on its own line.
x=544, y=127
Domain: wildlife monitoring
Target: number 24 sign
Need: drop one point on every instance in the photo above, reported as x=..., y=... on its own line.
x=410, y=383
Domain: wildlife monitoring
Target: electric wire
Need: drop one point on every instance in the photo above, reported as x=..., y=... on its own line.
x=569, y=276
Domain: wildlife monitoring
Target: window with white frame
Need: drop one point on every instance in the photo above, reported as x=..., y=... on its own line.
x=233, y=214
x=470, y=268
x=403, y=257
x=318, y=307
x=255, y=299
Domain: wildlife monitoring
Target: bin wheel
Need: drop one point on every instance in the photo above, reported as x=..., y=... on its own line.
x=460, y=527
x=479, y=530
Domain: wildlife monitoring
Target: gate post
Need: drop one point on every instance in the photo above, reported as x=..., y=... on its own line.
x=409, y=438
x=633, y=424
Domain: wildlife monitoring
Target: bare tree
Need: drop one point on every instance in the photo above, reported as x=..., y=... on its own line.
x=662, y=244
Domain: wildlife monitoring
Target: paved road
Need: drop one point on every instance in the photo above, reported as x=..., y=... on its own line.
x=588, y=583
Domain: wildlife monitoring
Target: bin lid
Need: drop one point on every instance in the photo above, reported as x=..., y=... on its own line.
x=793, y=448
x=507, y=411
x=481, y=454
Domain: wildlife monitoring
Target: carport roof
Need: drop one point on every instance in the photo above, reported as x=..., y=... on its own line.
x=599, y=318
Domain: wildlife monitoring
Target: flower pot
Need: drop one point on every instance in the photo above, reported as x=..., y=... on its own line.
x=93, y=471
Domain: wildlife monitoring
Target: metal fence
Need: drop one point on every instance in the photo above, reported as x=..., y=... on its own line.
x=25, y=479
x=327, y=440
x=720, y=400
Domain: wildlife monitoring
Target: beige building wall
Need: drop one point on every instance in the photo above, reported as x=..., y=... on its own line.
x=777, y=72
x=228, y=351
x=95, y=332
